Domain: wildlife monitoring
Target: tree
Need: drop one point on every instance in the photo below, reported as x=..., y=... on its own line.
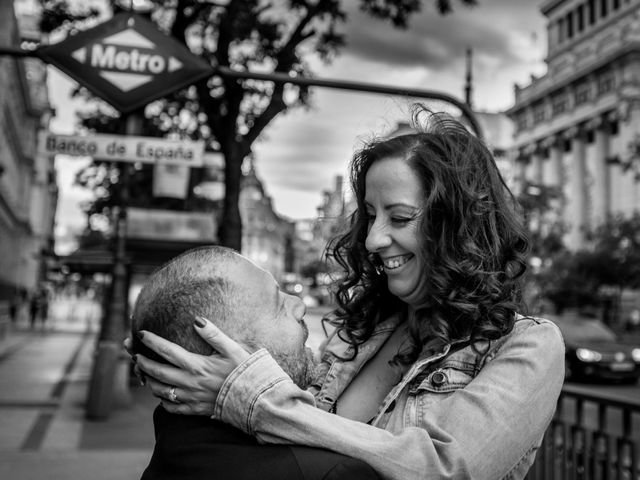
x=231, y=114
x=592, y=276
x=540, y=204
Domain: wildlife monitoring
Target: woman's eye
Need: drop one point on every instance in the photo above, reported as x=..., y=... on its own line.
x=400, y=220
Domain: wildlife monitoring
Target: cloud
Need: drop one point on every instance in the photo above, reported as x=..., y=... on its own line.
x=439, y=42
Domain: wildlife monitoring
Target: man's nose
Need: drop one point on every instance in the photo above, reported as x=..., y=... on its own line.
x=377, y=238
x=298, y=308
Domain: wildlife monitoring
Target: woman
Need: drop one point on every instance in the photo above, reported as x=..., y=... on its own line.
x=432, y=373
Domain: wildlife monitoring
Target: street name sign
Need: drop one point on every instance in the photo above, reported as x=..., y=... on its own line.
x=127, y=61
x=129, y=148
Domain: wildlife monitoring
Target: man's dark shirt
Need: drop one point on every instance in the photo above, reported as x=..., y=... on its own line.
x=198, y=448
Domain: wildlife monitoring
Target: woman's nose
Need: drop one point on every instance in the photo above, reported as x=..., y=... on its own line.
x=377, y=238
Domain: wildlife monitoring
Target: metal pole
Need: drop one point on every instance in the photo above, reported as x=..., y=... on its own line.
x=356, y=86
x=109, y=380
x=278, y=77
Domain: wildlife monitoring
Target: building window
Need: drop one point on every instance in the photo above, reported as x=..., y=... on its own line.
x=561, y=34
x=606, y=83
x=582, y=94
x=570, y=25
x=538, y=114
x=580, y=15
x=559, y=104
x=604, y=8
x=592, y=11
x=566, y=145
x=616, y=4
x=522, y=121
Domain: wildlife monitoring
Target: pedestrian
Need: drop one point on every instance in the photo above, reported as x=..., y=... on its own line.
x=34, y=309
x=14, y=306
x=431, y=372
x=44, y=306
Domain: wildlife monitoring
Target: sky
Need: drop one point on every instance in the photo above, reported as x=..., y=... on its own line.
x=302, y=151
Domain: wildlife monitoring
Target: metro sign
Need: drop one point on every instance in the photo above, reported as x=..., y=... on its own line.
x=127, y=61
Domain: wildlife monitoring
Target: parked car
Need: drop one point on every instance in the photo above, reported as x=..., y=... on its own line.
x=594, y=352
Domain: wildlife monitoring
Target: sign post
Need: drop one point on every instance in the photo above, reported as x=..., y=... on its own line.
x=109, y=377
x=128, y=62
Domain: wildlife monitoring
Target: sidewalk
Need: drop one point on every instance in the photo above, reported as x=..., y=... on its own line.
x=43, y=432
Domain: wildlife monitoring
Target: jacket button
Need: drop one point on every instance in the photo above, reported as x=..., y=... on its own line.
x=438, y=379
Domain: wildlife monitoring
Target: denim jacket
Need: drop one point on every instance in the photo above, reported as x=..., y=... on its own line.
x=455, y=414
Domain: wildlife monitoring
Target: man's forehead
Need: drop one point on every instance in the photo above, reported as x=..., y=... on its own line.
x=244, y=270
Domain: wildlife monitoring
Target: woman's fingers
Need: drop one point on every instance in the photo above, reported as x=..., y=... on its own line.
x=128, y=345
x=219, y=340
x=164, y=373
x=171, y=352
x=177, y=400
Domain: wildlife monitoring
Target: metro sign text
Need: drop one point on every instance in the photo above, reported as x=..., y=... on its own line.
x=127, y=61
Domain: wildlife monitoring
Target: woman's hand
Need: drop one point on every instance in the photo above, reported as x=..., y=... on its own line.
x=190, y=385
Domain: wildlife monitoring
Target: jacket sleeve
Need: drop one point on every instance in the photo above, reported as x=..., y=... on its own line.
x=457, y=441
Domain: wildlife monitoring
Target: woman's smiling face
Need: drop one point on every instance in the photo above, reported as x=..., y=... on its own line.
x=394, y=197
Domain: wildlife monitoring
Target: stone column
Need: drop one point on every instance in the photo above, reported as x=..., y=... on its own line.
x=578, y=208
x=601, y=178
x=555, y=175
x=520, y=177
x=628, y=113
x=536, y=166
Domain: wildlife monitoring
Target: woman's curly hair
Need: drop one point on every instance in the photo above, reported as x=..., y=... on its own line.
x=473, y=252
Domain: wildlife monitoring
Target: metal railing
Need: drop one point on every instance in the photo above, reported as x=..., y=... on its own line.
x=592, y=437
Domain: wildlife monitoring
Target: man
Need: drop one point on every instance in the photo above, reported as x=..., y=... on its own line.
x=246, y=303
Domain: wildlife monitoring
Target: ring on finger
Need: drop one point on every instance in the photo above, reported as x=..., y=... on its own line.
x=172, y=395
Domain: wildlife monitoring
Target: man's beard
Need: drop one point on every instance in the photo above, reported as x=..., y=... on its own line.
x=299, y=365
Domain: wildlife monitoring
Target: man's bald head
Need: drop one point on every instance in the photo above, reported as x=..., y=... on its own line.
x=194, y=283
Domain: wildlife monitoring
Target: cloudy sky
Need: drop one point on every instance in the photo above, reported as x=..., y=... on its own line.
x=301, y=152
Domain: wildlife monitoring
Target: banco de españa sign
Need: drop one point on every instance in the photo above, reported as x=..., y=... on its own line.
x=126, y=61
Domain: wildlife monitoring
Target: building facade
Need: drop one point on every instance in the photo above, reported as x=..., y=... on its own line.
x=267, y=238
x=28, y=192
x=577, y=127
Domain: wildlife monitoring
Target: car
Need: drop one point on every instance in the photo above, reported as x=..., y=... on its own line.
x=595, y=353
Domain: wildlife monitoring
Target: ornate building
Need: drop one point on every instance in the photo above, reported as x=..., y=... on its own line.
x=267, y=238
x=575, y=126
x=28, y=192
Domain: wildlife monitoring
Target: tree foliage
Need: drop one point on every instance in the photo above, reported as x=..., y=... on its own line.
x=231, y=114
x=610, y=263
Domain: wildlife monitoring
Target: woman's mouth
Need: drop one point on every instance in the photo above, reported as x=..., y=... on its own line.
x=392, y=263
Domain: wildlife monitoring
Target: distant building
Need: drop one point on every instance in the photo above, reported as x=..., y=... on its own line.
x=28, y=191
x=267, y=238
x=578, y=126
